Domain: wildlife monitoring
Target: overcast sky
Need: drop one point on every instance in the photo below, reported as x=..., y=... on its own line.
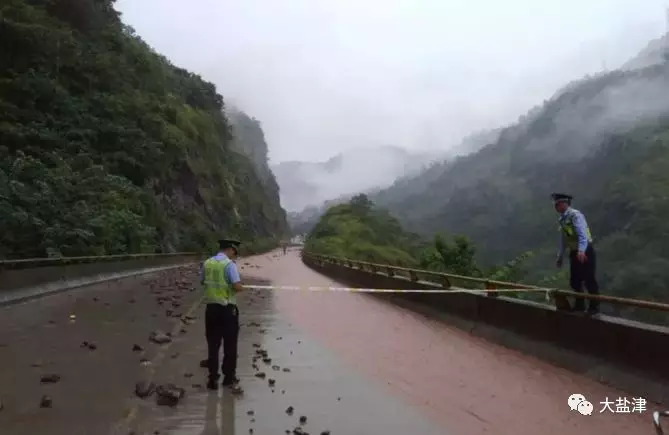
x=326, y=76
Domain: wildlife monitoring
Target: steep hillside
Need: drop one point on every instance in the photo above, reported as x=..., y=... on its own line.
x=306, y=184
x=605, y=140
x=656, y=52
x=249, y=139
x=106, y=147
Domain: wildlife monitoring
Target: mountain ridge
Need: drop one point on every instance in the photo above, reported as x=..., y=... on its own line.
x=305, y=184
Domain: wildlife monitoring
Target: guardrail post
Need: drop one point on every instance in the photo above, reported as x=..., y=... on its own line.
x=490, y=286
x=413, y=275
x=372, y=268
x=445, y=282
x=391, y=271
x=561, y=302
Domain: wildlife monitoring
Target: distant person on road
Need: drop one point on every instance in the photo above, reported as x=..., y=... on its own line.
x=575, y=235
x=220, y=280
x=284, y=249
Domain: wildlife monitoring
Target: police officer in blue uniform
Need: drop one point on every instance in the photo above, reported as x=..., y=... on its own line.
x=221, y=282
x=575, y=235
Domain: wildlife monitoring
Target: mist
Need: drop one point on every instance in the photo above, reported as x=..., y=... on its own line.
x=608, y=105
x=305, y=184
x=325, y=77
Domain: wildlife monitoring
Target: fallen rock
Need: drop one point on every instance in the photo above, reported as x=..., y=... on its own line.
x=267, y=360
x=299, y=431
x=144, y=389
x=175, y=355
x=271, y=382
x=303, y=419
x=50, y=378
x=250, y=412
x=325, y=432
x=92, y=346
x=286, y=369
x=46, y=402
x=144, y=362
x=260, y=375
x=290, y=410
x=137, y=348
x=169, y=395
x=276, y=368
x=188, y=375
x=159, y=337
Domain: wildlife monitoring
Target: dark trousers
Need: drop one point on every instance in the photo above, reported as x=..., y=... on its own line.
x=222, y=325
x=584, y=274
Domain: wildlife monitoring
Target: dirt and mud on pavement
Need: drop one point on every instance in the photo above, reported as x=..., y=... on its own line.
x=123, y=357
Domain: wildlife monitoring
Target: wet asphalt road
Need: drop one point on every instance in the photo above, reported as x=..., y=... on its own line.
x=357, y=365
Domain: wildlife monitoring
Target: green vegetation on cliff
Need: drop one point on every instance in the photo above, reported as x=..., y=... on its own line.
x=107, y=148
x=362, y=231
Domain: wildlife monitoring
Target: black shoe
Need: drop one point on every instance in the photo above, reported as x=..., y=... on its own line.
x=212, y=385
x=229, y=381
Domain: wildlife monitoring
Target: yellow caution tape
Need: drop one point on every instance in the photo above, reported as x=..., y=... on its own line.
x=381, y=290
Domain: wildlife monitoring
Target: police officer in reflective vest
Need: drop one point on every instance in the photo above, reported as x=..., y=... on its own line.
x=575, y=235
x=221, y=282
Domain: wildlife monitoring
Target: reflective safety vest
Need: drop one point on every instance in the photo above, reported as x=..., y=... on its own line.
x=216, y=289
x=569, y=231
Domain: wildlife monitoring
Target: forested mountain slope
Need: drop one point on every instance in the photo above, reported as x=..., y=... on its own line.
x=106, y=147
x=606, y=141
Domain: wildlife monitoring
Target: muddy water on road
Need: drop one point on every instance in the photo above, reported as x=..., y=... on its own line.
x=466, y=385
x=333, y=397
x=354, y=365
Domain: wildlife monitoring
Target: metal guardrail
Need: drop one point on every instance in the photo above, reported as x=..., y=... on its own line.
x=37, y=277
x=29, y=263
x=446, y=280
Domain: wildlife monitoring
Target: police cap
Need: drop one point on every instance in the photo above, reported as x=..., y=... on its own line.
x=229, y=243
x=561, y=197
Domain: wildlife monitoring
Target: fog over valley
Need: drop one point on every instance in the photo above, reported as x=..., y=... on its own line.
x=402, y=81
